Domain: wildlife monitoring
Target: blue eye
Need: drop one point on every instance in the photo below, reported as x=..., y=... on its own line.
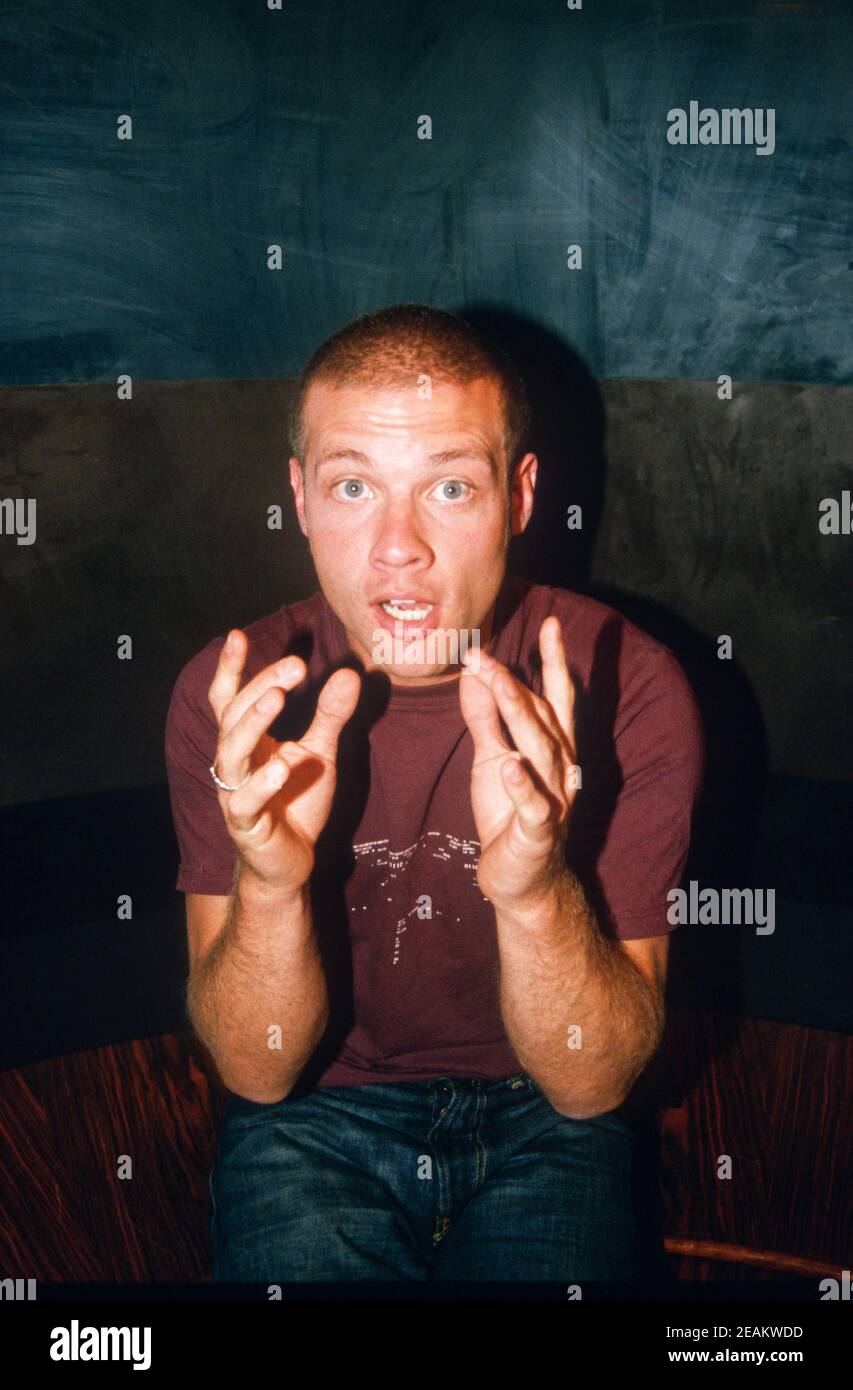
x=453, y=482
x=349, y=483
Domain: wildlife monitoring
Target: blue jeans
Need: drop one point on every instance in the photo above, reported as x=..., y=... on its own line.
x=433, y=1180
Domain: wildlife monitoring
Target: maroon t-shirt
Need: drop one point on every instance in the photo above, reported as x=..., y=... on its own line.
x=408, y=940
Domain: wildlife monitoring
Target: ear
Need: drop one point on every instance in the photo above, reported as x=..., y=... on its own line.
x=298, y=493
x=523, y=489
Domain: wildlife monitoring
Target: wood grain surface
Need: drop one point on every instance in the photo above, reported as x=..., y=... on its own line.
x=769, y=1095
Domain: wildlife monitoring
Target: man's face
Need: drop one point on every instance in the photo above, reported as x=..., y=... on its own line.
x=407, y=498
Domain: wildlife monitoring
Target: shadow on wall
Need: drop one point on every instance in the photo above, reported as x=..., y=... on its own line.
x=569, y=438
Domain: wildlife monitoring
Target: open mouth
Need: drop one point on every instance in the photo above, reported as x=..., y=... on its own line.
x=407, y=610
x=409, y=614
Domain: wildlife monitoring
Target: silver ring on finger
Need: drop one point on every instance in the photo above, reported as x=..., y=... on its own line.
x=224, y=785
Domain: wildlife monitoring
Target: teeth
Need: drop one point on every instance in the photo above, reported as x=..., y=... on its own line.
x=407, y=614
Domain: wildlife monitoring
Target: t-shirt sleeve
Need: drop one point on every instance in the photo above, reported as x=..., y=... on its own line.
x=661, y=753
x=208, y=857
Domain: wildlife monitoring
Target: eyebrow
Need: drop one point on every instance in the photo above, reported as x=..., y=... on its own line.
x=439, y=459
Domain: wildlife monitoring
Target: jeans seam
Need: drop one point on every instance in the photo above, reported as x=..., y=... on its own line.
x=479, y=1146
x=434, y=1141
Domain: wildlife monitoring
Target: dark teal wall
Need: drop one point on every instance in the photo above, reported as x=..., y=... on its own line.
x=298, y=127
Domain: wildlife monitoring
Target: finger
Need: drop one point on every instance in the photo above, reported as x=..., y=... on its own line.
x=244, y=808
x=282, y=675
x=557, y=685
x=229, y=669
x=335, y=704
x=527, y=723
x=228, y=702
x=480, y=713
x=534, y=811
x=492, y=668
x=234, y=750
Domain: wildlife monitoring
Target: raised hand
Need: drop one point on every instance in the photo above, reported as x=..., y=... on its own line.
x=276, y=817
x=522, y=796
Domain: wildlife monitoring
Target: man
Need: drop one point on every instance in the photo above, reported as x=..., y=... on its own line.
x=427, y=919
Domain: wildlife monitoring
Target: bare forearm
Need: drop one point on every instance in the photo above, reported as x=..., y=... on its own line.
x=579, y=1015
x=259, y=999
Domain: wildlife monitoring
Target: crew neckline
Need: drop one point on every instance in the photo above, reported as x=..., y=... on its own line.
x=430, y=696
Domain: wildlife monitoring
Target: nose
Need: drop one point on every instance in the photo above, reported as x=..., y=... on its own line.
x=400, y=540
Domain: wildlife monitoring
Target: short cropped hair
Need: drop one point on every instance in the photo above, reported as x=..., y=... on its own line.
x=393, y=347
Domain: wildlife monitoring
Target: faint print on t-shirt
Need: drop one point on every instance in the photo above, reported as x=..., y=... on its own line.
x=442, y=846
